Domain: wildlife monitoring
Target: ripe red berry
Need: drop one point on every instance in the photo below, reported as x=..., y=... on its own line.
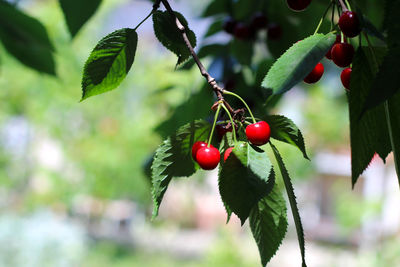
x=298, y=5
x=315, y=74
x=196, y=146
x=274, y=31
x=208, y=157
x=227, y=153
x=258, y=133
x=349, y=24
x=345, y=77
x=242, y=31
x=259, y=21
x=328, y=54
x=229, y=25
x=342, y=54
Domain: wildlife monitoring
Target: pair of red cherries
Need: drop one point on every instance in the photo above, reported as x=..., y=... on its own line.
x=208, y=157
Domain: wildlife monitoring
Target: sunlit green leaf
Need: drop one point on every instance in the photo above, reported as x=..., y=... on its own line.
x=109, y=62
x=297, y=62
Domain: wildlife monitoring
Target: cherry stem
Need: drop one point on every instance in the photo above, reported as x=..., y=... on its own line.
x=244, y=102
x=215, y=123
x=323, y=16
x=344, y=8
x=232, y=122
x=155, y=7
x=211, y=81
x=348, y=4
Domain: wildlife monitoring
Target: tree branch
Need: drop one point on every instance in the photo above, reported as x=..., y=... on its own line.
x=217, y=90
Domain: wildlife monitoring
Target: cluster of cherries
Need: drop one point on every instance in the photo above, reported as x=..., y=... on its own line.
x=342, y=52
x=248, y=31
x=208, y=157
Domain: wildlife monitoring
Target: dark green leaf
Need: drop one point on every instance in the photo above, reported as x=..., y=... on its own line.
x=393, y=117
x=77, y=12
x=268, y=223
x=214, y=28
x=242, y=51
x=284, y=129
x=109, y=62
x=216, y=7
x=387, y=81
x=293, y=204
x=293, y=66
x=368, y=134
x=392, y=23
x=169, y=35
x=26, y=39
x=196, y=107
x=244, y=179
x=173, y=158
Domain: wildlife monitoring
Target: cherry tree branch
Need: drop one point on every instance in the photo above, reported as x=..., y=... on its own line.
x=211, y=81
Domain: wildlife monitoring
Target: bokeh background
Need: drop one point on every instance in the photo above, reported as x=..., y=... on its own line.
x=73, y=185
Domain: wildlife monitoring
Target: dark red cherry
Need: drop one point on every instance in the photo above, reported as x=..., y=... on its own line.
x=227, y=153
x=349, y=24
x=259, y=21
x=242, y=31
x=315, y=74
x=222, y=130
x=298, y=5
x=196, y=146
x=274, y=31
x=258, y=133
x=342, y=54
x=345, y=77
x=208, y=157
x=229, y=25
x=328, y=54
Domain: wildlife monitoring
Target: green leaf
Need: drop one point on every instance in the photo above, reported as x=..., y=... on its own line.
x=216, y=7
x=369, y=133
x=284, y=129
x=174, y=159
x=391, y=22
x=77, y=12
x=242, y=51
x=244, y=179
x=169, y=35
x=268, y=223
x=109, y=62
x=26, y=39
x=292, y=200
x=393, y=119
x=293, y=66
x=196, y=107
x=387, y=81
x=214, y=28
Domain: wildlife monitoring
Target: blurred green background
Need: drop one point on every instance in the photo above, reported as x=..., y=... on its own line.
x=73, y=187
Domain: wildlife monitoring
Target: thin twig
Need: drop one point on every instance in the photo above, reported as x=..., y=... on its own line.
x=155, y=7
x=344, y=7
x=203, y=71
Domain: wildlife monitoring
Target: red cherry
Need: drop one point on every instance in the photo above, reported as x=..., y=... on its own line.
x=196, y=146
x=208, y=157
x=259, y=21
x=315, y=74
x=258, y=133
x=328, y=54
x=342, y=54
x=229, y=25
x=349, y=24
x=298, y=5
x=242, y=31
x=345, y=77
x=227, y=153
x=274, y=31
